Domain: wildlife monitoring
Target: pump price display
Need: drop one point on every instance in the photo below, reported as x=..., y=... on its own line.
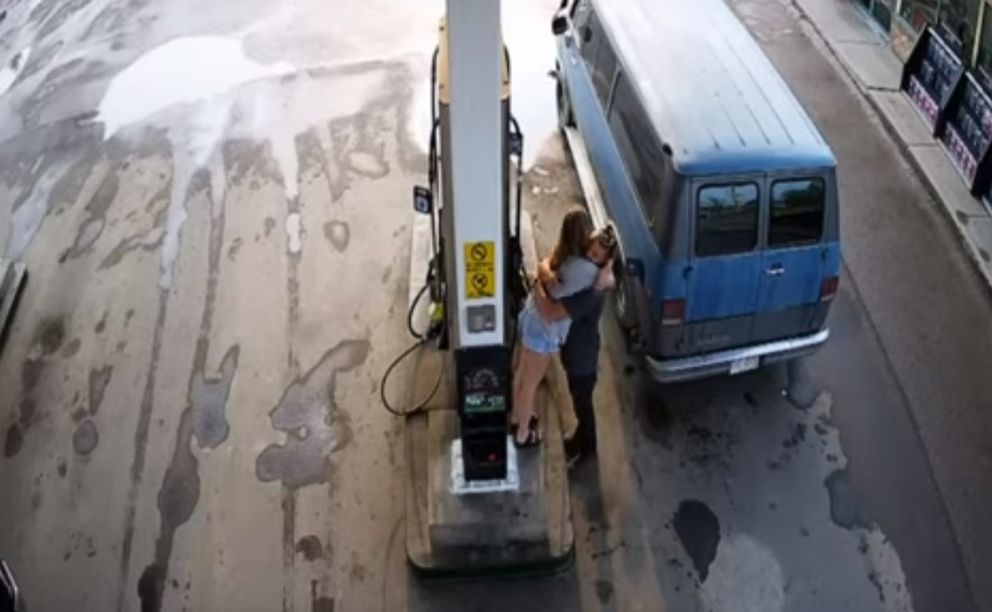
x=480, y=270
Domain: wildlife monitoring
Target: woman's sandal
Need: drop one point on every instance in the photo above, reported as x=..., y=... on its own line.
x=534, y=436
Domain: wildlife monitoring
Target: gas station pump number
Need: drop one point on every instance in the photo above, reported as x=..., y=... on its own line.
x=480, y=270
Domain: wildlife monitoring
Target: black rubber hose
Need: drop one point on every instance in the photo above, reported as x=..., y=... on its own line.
x=413, y=309
x=419, y=407
x=520, y=163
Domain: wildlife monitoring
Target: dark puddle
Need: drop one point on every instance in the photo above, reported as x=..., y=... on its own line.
x=209, y=397
x=338, y=234
x=99, y=379
x=71, y=349
x=86, y=438
x=846, y=510
x=309, y=546
x=308, y=414
x=13, y=441
x=698, y=530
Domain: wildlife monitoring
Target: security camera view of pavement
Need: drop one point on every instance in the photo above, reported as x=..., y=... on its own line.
x=207, y=253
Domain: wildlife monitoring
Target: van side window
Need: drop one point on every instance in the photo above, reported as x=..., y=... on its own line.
x=590, y=36
x=640, y=150
x=796, y=212
x=602, y=74
x=727, y=219
x=581, y=11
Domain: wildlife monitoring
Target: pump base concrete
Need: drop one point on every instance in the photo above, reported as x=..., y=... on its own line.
x=524, y=531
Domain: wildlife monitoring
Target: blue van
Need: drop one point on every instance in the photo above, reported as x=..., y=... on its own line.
x=722, y=190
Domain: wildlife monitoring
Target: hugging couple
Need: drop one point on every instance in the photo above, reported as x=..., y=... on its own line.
x=562, y=314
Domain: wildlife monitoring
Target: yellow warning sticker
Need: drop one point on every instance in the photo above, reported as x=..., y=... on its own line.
x=480, y=270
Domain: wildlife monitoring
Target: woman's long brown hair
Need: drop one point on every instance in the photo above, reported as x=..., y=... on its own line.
x=573, y=240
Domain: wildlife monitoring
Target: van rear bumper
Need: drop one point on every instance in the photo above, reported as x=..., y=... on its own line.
x=715, y=364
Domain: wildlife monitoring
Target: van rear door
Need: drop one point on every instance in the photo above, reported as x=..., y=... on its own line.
x=793, y=263
x=726, y=264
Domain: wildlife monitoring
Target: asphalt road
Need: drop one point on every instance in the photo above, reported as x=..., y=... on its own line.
x=213, y=202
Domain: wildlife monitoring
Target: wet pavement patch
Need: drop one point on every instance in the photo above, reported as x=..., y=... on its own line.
x=323, y=604
x=51, y=334
x=338, y=234
x=13, y=441
x=70, y=350
x=30, y=373
x=86, y=438
x=79, y=415
x=846, y=510
x=150, y=587
x=99, y=379
x=209, y=398
x=604, y=591
x=307, y=408
x=797, y=435
x=91, y=229
x=698, y=530
x=309, y=546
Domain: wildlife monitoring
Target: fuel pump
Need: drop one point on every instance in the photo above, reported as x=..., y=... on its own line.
x=476, y=277
x=474, y=504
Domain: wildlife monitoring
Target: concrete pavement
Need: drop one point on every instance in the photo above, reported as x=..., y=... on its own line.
x=189, y=397
x=928, y=311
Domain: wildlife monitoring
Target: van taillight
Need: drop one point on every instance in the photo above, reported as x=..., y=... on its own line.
x=828, y=288
x=672, y=312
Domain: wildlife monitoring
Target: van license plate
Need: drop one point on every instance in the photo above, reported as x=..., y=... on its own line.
x=739, y=366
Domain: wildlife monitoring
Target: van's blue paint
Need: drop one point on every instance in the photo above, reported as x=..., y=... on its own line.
x=711, y=91
x=726, y=114
x=722, y=287
x=799, y=281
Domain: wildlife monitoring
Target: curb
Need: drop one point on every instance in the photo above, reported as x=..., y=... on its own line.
x=973, y=256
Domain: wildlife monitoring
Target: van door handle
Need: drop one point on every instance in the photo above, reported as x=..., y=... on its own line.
x=776, y=270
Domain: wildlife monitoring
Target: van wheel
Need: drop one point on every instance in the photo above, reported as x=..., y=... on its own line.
x=623, y=302
x=565, y=117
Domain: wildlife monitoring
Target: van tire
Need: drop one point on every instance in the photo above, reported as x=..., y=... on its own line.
x=565, y=117
x=623, y=303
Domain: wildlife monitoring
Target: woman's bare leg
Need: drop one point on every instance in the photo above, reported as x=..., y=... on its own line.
x=517, y=381
x=533, y=367
x=518, y=384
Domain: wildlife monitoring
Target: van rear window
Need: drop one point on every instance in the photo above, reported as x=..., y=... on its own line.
x=727, y=219
x=796, y=212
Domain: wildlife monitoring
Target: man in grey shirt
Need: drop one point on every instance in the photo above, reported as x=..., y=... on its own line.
x=580, y=358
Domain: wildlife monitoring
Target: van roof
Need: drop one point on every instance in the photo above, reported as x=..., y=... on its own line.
x=711, y=92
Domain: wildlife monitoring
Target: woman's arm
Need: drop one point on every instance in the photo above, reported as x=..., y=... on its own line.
x=544, y=272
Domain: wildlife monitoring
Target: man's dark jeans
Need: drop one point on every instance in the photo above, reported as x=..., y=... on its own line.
x=581, y=388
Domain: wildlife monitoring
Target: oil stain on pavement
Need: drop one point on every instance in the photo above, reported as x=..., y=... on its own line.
x=309, y=416
x=49, y=338
x=209, y=402
x=99, y=379
x=180, y=492
x=86, y=438
x=846, y=510
x=699, y=531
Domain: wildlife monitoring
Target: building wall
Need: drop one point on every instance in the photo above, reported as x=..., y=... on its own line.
x=963, y=17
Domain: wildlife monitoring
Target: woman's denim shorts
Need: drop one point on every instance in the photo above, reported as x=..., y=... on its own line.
x=537, y=335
